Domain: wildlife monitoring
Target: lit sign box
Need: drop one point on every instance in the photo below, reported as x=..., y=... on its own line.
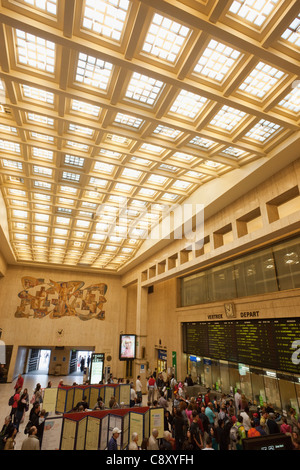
x=97, y=363
x=127, y=347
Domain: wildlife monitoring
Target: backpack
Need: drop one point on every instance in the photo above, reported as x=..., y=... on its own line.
x=11, y=400
x=234, y=433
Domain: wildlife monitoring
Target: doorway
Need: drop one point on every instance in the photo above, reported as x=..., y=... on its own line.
x=38, y=360
x=79, y=361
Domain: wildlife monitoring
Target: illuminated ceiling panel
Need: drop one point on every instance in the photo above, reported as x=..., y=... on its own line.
x=130, y=108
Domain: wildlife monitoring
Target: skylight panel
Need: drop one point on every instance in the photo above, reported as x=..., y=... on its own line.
x=67, y=175
x=132, y=174
x=62, y=220
x=41, y=217
x=42, y=153
x=41, y=170
x=166, y=167
x=20, y=214
x=77, y=146
x=68, y=189
x=8, y=146
x=150, y=148
x=140, y=161
x=157, y=179
x=145, y=192
x=17, y=192
x=233, y=151
x=182, y=185
x=217, y=61
x=81, y=130
x=143, y=89
x=48, y=6
x=98, y=182
x=93, y=72
x=194, y=174
x=170, y=197
x=254, y=11
x=74, y=161
x=291, y=34
x=165, y=39
x=42, y=185
x=104, y=167
x=117, y=139
x=261, y=80
x=41, y=228
x=130, y=121
x=37, y=94
x=106, y=17
x=227, y=118
x=168, y=132
x=291, y=102
x=184, y=157
x=35, y=52
x=201, y=142
x=123, y=187
x=263, y=130
x=188, y=105
x=43, y=137
x=85, y=108
x=43, y=120
x=110, y=154
x=212, y=164
x=41, y=197
x=12, y=164
x=8, y=129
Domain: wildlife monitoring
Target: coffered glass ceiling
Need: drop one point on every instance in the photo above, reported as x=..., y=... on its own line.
x=113, y=110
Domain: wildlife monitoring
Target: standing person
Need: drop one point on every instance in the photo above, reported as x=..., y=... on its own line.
x=271, y=424
x=166, y=442
x=10, y=441
x=82, y=363
x=132, y=396
x=237, y=401
x=151, y=387
x=138, y=389
x=285, y=427
x=209, y=444
x=173, y=385
x=246, y=419
x=31, y=442
x=19, y=383
x=162, y=401
x=22, y=407
x=210, y=414
x=133, y=445
x=196, y=437
x=6, y=431
x=17, y=396
x=153, y=442
x=179, y=429
x=112, y=445
x=38, y=394
x=221, y=435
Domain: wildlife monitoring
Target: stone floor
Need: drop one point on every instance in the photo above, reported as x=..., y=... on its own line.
x=30, y=381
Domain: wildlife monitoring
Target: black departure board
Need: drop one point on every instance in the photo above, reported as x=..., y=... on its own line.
x=266, y=343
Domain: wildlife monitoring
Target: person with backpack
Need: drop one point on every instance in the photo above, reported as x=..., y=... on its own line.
x=236, y=433
x=13, y=402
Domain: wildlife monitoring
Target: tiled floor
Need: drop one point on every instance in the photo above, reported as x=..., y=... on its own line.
x=30, y=381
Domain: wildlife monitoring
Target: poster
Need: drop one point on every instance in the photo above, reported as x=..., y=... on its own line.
x=137, y=425
x=124, y=391
x=68, y=436
x=81, y=432
x=70, y=398
x=52, y=433
x=78, y=395
x=157, y=421
x=104, y=431
x=125, y=431
x=49, y=399
x=92, y=434
x=94, y=394
x=61, y=400
x=109, y=392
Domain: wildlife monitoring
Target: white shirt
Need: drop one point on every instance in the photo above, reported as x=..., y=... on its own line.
x=246, y=420
x=132, y=394
x=138, y=386
x=153, y=444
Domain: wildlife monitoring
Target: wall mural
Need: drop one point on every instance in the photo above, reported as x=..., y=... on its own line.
x=40, y=298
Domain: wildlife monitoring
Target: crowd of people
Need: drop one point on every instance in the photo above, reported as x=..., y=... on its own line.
x=191, y=423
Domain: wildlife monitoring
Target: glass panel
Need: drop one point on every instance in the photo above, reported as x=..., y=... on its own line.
x=288, y=396
x=272, y=392
x=258, y=388
x=287, y=259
